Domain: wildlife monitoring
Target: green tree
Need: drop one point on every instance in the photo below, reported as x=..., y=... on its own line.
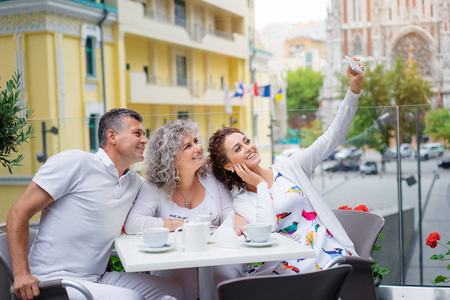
x=438, y=125
x=402, y=86
x=14, y=130
x=303, y=89
x=408, y=88
x=310, y=133
x=375, y=96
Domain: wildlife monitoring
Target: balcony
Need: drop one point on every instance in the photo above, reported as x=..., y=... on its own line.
x=238, y=7
x=152, y=24
x=195, y=31
x=175, y=91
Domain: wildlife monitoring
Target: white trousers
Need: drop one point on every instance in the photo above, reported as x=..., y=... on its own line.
x=188, y=278
x=128, y=286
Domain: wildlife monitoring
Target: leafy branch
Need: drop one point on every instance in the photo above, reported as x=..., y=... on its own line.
x=377, y=271
x=14, y=130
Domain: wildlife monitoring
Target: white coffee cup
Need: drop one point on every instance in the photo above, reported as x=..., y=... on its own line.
x=194, y=238
x=258, y=232
x=200, y=218
x=154, y=237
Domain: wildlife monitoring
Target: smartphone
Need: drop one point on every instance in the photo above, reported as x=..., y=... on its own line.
x=354, y=65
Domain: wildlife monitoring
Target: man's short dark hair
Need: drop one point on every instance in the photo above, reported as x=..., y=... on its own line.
x=114, y=119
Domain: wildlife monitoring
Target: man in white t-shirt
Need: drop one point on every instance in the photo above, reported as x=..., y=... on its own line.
x=84, y=199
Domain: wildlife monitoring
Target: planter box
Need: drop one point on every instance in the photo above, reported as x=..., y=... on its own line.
x=395, y=292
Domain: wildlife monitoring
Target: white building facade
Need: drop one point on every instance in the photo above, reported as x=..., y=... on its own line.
x=379, y=31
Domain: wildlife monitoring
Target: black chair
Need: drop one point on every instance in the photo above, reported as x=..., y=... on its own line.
x=49, y=290
x=320, y=285
x=363, y=229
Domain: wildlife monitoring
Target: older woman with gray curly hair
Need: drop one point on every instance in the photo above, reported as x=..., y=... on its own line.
x=179, y=185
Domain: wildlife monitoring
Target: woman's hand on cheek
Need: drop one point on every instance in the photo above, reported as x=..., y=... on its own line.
x=239, y=222
x=247, y=175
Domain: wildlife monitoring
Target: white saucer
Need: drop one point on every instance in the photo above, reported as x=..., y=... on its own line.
x=146, y=248
x=269, y=242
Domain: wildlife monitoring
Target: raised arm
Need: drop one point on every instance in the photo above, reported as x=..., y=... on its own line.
x=335, y=135
x=33, y=200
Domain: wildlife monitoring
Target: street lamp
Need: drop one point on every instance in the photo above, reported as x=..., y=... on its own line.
x=42, y=156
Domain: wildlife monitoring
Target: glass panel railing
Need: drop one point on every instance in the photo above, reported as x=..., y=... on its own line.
x=369, y=171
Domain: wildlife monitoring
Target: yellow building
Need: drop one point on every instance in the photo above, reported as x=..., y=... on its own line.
x=56, y=46
x=178, y=57
x=163, y=58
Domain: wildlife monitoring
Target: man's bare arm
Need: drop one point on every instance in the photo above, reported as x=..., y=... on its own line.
x=33, y=200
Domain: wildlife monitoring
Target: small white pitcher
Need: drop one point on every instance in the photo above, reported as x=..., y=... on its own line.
x=194, y=237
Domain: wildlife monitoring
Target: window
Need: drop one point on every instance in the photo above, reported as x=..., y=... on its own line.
x=180, y=13
x=90, y=57
x=94, y=119
x=146, y=74
x=183, y=115
x=181, y=71
x=308, y=57
x=296, y=50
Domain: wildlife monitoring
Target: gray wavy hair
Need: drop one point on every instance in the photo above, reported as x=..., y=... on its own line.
x=162, y=149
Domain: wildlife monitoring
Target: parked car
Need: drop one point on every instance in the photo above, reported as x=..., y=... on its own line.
x=349, y=153
x=332, y=156
x=344, y=166
x=368, y=167
x=405, y=150
x=431, y=150
x=445, y=164
x=388, y=155
x=286, y=153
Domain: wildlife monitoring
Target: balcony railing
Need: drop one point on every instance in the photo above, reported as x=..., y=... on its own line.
x=197, y=88
x=195, y=30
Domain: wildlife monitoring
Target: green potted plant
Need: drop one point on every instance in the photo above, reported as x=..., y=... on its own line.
x=14, y=130
x=432, y=241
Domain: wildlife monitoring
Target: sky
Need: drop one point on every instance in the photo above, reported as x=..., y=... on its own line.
x=290, y=11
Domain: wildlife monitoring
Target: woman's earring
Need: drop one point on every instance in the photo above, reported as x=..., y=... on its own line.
x=232, y=170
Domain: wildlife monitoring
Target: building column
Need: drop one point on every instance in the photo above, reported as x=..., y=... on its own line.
x=173, y=66
x=154, y=63
x=190, y=64
x=207, y=71
x=20, y=67
x=60, y=80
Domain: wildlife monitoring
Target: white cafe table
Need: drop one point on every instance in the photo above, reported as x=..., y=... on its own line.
x=135, y=260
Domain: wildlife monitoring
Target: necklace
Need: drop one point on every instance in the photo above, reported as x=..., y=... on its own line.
x=186, y=198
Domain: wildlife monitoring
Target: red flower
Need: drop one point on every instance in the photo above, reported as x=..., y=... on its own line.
x=432, y=239
x=362, y=208
x=345, y=207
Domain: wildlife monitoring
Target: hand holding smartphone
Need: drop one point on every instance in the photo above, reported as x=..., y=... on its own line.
x=354, y=65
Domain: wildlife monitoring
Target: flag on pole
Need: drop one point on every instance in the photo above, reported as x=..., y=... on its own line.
x=228, y=106
x=239, y=90
x=264, y=91
x=252, y=90
x=279, y=95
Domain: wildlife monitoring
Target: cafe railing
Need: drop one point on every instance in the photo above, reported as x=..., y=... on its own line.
x=410, y=193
